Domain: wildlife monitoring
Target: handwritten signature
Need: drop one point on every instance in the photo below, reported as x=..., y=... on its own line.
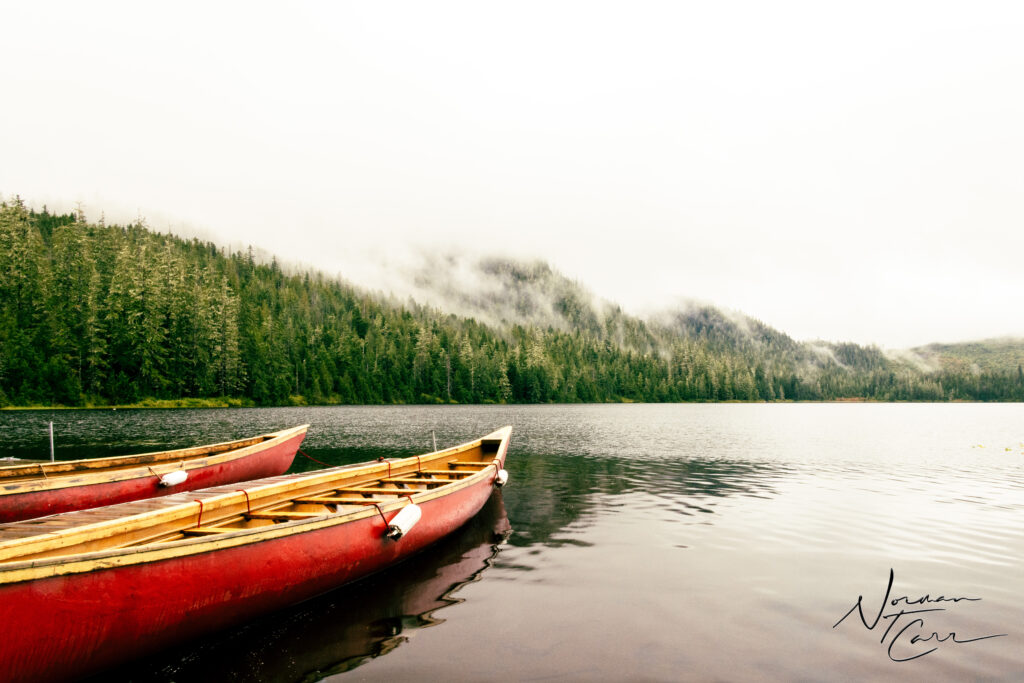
x=911, y=632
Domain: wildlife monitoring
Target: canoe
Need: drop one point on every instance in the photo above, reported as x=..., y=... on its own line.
x=346, y=628
x=81, y=591
x=46, y=488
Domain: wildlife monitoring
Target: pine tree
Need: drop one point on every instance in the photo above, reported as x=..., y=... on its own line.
x=22, y=343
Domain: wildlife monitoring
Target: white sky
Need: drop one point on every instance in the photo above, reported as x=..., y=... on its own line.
x=845, y=171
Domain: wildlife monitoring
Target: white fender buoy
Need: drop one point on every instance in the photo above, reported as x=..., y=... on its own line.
x=405, y=520
x=501, y=479
x=174, y=478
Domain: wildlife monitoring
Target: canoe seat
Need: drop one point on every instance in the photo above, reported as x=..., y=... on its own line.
x=339, y=500
x=474, y=465
x=416, y=480
x=371, y=490
x=323, y=500
x=283, y=515
x=447, y=473
x=205, y=530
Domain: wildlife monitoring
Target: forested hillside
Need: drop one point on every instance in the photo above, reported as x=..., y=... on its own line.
x=993, y=355
x=96, y=314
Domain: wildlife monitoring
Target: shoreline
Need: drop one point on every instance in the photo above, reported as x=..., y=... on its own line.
x=200, y=403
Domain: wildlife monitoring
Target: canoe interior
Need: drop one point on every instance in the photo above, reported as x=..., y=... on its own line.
x=247, y=506
x=44, y=469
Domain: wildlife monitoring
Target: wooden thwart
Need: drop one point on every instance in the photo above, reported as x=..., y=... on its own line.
x=340, y=500
x=417, y=480
x=283, y=515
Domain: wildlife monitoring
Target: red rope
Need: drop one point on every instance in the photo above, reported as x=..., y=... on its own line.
x=381, y=515
x=381, y=459
x=200, y=522
x=314, y=459
x=248, y=507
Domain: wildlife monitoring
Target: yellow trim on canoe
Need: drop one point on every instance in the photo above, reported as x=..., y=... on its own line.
x=111, y=470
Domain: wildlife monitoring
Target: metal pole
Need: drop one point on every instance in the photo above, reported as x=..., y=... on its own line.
x=435, y=440
x=51, y=442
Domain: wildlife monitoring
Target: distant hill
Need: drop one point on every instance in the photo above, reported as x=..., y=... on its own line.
x=990, y=355
x=92, y=314
x=503, y=292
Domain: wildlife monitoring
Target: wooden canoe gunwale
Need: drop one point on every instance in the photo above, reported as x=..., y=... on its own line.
x=137, y=534
x=20, y=479
x=117, y=461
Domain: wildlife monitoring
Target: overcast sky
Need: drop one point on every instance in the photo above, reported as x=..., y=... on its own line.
x=843, y=171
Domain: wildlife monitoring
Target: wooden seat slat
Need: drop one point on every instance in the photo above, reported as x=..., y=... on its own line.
x=283, y=515
x=336, y=500
x=416, y=480
x=368, y=501
x=205, y=530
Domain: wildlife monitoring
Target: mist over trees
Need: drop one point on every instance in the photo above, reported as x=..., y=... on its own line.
x=92, y=314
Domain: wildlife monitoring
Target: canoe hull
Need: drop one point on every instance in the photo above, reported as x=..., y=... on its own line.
x=262, y=463
x=71, y=626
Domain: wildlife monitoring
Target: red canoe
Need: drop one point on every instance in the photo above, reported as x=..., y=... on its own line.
x=83, y=590
x=344, y=629
x=46, y=488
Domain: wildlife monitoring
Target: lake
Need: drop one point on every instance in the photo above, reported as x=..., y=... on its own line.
x=646, y=542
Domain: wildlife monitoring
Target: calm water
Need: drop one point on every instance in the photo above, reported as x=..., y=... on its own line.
x=643, y=542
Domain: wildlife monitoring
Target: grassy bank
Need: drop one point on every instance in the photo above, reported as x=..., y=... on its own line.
x=220, y=402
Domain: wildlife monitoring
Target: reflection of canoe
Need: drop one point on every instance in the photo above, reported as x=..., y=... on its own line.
x=339, y=631
x=83, y=590
x=46, y=488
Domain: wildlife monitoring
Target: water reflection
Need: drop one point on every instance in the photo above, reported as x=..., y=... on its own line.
x=340, y=631
x=554, y=491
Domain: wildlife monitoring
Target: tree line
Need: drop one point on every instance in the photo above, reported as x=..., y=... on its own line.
x=92, y=314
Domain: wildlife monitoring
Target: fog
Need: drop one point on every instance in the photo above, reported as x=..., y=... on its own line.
x=843, y=174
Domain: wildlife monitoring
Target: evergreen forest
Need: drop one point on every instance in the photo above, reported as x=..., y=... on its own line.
x=94, y=315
